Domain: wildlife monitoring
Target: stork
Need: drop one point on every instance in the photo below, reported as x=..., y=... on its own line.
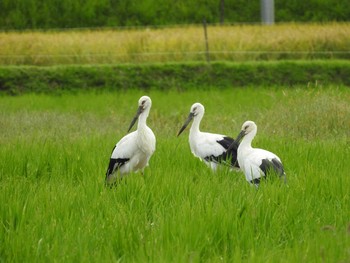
x=256, y=163
x=134, y=150
x=209, y=147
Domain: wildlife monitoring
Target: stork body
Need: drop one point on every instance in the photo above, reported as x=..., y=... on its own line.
x=133, y=151
x=209, y=147
x=256, y=163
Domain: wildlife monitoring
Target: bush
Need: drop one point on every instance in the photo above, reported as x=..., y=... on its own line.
x=17, y=80
x=34, y=14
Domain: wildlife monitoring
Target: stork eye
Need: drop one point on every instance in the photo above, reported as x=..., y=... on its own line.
x=195, y=108
x=246, y=127
x=143, y=102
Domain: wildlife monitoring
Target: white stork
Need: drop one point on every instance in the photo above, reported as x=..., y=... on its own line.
x=209, y=147
x=256, y=163
x=134, y=150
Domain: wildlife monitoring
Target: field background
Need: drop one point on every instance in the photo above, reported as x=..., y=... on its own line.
x=16, y=80
x=55, y=149
x=67, y=96
x=239, y=43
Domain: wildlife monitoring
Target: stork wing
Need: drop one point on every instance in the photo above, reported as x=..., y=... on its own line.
x=126, y=147
x=231, y=147
x=213, y=147
x=266, y=161
x=272, y=165
x=121, y=153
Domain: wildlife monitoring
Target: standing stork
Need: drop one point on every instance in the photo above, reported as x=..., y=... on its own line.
x=256, y=163
x=134, y=150
x=209, y=147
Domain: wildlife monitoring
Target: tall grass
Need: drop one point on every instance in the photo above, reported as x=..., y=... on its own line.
x=237, y=43
x=54, y=206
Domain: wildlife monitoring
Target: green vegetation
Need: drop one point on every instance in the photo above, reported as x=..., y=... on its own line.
x=79, y=90
x=23, y=14
x=177, y=44
x=58, y=79
x=55, y=149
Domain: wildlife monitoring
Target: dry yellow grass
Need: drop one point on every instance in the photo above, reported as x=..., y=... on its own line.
x=245, y=42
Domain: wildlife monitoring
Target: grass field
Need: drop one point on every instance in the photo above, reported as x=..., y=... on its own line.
x=55, y=150
x=231, y=43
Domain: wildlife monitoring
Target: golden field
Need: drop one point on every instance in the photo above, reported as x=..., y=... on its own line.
x=183, y=43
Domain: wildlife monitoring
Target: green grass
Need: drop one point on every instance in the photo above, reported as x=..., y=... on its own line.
x=54, y=150
x=168, y=76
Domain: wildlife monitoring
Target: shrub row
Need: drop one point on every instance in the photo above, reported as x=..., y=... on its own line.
x=24, y=79
x=34, y=14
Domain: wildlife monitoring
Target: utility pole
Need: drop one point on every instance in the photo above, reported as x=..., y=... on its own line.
x=267, y=12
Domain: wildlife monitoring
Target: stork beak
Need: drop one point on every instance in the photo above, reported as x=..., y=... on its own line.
x=235, y=143
x=139, y=111
x=189, y=119
x=240, y=136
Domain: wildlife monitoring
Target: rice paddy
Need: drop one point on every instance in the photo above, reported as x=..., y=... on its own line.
x=54, y=151
x=171, y=44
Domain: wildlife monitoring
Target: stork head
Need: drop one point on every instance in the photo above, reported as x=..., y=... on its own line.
x=197, y=111
x=248, y=127
x=145, y=103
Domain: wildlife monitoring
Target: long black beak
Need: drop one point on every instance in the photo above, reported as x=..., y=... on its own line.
x=189, y=119
x=235, y=144
x=139, y=111
x=240, y=136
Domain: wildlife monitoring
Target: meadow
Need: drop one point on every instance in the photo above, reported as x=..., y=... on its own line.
x=55, y=150
x=176, y=44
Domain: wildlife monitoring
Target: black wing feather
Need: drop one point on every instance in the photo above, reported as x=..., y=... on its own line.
x=230, y=155
x=114, y=165
x=273, y=165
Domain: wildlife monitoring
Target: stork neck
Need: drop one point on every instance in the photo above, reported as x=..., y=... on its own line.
x=195, y=124
x=142, y=119
x=247, y=140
